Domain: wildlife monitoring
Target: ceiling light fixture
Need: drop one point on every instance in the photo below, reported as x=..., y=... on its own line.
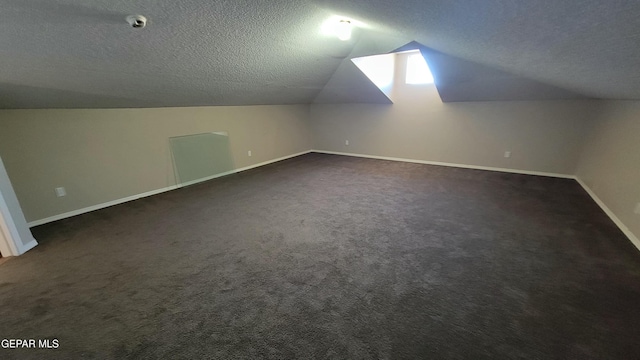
x=137, y=21
x=343, y=30
x=342, y=27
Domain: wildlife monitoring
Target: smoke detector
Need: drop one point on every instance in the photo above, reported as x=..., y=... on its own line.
x=137, y=21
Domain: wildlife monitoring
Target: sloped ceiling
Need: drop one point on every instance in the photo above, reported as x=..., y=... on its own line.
x=585, y=46
x=459, y=80
x=350, y=85
x=75, y=53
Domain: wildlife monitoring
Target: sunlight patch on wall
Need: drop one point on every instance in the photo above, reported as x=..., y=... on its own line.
x=418, y=71
x=379, y=69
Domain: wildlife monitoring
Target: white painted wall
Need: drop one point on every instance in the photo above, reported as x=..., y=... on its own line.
x=104, y=155
x=543, y=136
x=610, y=161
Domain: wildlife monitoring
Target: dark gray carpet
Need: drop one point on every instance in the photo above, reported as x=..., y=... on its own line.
x=326, y=256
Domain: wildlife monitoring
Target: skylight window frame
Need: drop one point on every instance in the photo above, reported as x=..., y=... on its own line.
x=417, y=71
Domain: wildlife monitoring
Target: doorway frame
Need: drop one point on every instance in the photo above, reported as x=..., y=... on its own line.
x=16, y=238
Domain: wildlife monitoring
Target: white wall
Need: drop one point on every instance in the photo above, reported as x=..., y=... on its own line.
x=610, y=162
x=543, y=136
x=105, y=155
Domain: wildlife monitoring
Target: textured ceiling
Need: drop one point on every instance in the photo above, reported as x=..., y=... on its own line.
x=348, y=84
x=75, y=53
x=586, y=46
x=462, y=80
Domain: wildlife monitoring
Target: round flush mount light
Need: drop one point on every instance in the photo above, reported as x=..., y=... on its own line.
x=342, y=27
x=343, y=30
x=137, y=21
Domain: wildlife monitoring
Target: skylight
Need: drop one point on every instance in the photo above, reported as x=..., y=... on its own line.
x=417, y=70
x=378, y=68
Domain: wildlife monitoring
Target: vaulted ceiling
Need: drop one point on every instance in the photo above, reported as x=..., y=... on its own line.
x=81, y=54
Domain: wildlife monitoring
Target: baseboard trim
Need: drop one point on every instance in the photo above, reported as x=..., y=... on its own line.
x=28, y=246
x=188, y=183
x=634, y=239
x=438, y=163
x=612, y=216
x=235, y=171
x=31, y=244
x=154, y=192
x=99, y=206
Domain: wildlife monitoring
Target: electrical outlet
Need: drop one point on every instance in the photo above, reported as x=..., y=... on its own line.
x=249, y=152
x=60, y=192
x=637, y=210
x=346, y=142
x=507, y=154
